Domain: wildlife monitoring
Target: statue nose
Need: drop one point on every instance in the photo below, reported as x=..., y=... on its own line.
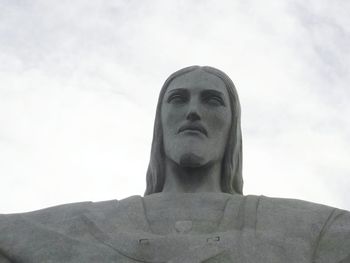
x=193, y=116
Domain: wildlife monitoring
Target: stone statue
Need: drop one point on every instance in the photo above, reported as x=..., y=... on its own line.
x=193, y=209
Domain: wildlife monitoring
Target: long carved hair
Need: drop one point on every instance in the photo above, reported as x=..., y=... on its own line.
x=231, y=172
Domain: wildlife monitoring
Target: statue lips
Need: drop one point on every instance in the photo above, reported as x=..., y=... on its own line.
x=193, y=127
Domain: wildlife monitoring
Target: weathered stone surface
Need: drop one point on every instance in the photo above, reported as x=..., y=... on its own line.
x=240, y=229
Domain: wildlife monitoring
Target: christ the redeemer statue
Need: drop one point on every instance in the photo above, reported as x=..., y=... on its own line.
x=193, y=209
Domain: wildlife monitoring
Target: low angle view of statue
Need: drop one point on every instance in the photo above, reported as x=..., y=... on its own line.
x=193, y=209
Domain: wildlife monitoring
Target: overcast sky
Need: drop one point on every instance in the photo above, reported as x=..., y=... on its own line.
x=79, y=81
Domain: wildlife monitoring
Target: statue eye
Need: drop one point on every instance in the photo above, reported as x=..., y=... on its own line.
x=214, y=100
x=177, y=98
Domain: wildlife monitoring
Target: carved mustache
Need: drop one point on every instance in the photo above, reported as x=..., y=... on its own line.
x=193, y=127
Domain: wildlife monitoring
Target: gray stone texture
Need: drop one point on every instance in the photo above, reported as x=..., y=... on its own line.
x=224, y=228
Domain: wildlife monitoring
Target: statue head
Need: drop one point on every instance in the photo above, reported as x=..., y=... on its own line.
x=218, y=139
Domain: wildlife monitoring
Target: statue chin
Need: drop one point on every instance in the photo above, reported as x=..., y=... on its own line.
x=191, y=160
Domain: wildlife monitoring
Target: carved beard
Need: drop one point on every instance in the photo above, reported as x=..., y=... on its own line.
x=190, y=160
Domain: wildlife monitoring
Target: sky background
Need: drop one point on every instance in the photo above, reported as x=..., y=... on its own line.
x=79, y=82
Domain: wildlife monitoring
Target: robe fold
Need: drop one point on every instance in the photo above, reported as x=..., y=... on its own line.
x=252, y=229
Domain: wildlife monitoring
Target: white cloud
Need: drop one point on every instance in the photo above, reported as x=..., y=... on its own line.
x=79, y=84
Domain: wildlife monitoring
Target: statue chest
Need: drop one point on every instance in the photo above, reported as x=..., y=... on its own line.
x=231, y=246
x=231, y=237
x=130, y=247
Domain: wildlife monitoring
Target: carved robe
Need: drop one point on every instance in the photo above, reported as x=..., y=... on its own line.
x=244, y=229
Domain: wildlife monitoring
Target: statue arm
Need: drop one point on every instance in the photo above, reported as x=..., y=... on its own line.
x=333, y=244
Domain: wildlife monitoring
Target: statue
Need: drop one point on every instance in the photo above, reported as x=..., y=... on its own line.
x=193, y=209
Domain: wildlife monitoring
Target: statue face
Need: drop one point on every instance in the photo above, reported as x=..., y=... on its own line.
x=196, y=118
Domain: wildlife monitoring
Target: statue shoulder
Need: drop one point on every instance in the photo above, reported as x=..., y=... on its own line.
x=294, y=207
x=292, y=217
x=59, y=217
x=24, y=235
x=71, y=231
x=56, y=214
x=46, y=215
x=327, y=227
x=333, y=242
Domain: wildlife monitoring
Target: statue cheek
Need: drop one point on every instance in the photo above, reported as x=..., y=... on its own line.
x=220, y=123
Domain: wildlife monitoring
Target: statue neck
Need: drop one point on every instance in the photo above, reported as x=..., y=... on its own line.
x=192, y=180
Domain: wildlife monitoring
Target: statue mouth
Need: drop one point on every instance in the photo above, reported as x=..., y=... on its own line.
x=193, y=127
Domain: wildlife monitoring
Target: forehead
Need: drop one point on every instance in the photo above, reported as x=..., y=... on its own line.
x=198, y=80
